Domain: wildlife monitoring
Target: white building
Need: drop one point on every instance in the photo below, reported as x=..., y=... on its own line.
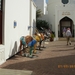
x=41, y=4
x=17, y=18
x=61, y=13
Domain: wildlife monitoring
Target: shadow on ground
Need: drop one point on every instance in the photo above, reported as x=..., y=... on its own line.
x=52, y=66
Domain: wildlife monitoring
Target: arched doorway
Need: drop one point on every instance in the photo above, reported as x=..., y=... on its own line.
x=65, y=23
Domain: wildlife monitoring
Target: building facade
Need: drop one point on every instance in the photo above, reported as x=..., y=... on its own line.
x=61, y=13
x=17, y=18
x=41, y=4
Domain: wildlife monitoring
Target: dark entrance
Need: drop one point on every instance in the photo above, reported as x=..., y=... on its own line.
x=0, y=27
x=65, y=23
x=1, y=3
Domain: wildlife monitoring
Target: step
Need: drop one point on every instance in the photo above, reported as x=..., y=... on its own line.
x=14, y=72
x=64, y=39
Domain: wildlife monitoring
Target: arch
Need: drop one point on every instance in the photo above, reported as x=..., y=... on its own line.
x=65, y=22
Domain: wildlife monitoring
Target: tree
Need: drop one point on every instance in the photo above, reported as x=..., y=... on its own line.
x=42, y=24
x=38, y=13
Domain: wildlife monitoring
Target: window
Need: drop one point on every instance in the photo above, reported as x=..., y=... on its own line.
x=65, y=1
x=0, y=4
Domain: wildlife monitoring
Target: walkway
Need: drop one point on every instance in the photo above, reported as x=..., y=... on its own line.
x=56, y=59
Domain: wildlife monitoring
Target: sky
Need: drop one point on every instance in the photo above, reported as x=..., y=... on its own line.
x=46, y=1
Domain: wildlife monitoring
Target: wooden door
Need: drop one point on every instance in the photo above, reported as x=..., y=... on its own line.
x=1, y=4
x=0, y=27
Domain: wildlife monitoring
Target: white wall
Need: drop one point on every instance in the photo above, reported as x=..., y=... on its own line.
x=51, y=12
x=61, y=12
x=55, y=10
x=33, y=18
x=19, y=11
x=45, y=7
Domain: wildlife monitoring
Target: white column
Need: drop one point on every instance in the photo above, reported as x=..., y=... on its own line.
x=56, y=23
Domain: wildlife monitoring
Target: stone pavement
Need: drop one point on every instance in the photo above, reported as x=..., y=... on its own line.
x=14, y=72
x=56, y=59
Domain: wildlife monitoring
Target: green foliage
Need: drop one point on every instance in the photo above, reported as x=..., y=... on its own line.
x=52, y=35
x=42, y=23
x=38, y=13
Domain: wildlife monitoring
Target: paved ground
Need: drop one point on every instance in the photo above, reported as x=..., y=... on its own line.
x=56, y=59
x=14, y=72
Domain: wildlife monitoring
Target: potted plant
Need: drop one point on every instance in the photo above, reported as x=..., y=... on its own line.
x=52, y=36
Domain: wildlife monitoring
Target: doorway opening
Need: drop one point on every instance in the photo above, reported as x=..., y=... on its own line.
x=1, y=6
x=65, y=22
